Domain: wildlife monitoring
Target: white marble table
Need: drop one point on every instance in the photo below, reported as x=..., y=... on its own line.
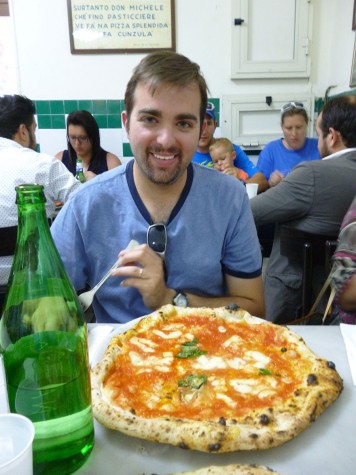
x=327, y=447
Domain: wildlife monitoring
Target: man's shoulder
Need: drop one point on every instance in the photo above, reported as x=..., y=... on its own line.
x=334, y=160
x=26, y=155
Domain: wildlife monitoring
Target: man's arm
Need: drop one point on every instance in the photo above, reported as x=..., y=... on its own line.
x=143, y=270
x=247, y=293
x=243, y=162
x=290, y=200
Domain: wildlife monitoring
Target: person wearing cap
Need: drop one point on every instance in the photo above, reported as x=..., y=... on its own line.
x=241, y=161
x=280, y=156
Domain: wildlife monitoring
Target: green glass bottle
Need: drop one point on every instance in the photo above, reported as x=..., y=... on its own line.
x=79, y=172
x=43, y=340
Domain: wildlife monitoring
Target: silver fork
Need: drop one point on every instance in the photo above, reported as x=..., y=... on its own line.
x=86, y=298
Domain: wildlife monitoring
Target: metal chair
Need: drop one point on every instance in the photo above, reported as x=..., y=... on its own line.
x=310, y=250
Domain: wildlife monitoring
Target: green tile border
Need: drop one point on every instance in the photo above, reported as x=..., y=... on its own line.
x=114, y=121
x=102, y=120
x=85, y=104
x=44, y=121
x=58, y=122
x=51, y=114
x=99, y=107
x=56, y=107
x=114, y=106
x=126, y=149
x=70, y=106
x=43, y=107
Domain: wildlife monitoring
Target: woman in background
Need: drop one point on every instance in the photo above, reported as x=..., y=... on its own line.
x=83, y=139
x=280, y=156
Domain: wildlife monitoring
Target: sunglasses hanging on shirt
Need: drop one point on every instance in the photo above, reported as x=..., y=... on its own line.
x=157, y=238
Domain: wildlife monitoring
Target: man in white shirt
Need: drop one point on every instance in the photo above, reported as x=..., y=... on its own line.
x=20, y=163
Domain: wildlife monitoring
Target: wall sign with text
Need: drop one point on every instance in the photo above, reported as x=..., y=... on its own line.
x=126, y=26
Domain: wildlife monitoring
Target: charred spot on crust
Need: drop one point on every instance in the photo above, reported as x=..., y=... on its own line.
x=312, y=380
x=253, y=436
x=330, y=364
x=183, y=445
x=284, y=349
x=232, y=306
x=132, y=410
x=222, y=421
x=233, y=421
x=214, y=447
x=264, y=419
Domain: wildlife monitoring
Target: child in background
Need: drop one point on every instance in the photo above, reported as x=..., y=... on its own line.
x=223, y=154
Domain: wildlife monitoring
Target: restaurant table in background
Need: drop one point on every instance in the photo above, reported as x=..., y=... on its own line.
x=327, y=447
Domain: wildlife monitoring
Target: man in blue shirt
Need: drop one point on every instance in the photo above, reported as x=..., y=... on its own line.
x=194, y=249
x=241, y=161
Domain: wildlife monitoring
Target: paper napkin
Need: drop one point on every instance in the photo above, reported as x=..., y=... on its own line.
x=96, y=337
x=349, y=335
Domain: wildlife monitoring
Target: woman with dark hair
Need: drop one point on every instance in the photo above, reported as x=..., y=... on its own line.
x=83, y=140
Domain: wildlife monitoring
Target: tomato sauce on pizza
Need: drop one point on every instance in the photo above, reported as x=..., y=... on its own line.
x=194, y=366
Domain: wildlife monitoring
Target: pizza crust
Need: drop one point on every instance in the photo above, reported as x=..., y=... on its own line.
x=232, y=470
x=259, y=430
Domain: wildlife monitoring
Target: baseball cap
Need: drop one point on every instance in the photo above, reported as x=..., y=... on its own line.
x=210, y=110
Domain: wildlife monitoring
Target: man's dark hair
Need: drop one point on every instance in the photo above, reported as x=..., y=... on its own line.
x=166, y=67
x=14, y=111
x=339, y=113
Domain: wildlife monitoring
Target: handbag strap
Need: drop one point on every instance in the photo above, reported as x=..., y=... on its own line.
x=317, y=301
x=328, y=305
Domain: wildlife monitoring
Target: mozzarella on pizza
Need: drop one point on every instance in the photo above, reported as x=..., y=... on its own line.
x=214, y=380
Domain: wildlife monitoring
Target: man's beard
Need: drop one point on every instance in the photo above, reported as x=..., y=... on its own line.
x=159, y=176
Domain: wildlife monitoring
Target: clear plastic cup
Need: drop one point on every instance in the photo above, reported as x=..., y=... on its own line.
x=16, y=438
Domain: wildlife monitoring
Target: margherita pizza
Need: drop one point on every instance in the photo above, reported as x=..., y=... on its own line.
x=214, y=380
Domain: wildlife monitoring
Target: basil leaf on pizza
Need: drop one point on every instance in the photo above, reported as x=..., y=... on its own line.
x=214, y=380
x=190, y=349
x=265, y=372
